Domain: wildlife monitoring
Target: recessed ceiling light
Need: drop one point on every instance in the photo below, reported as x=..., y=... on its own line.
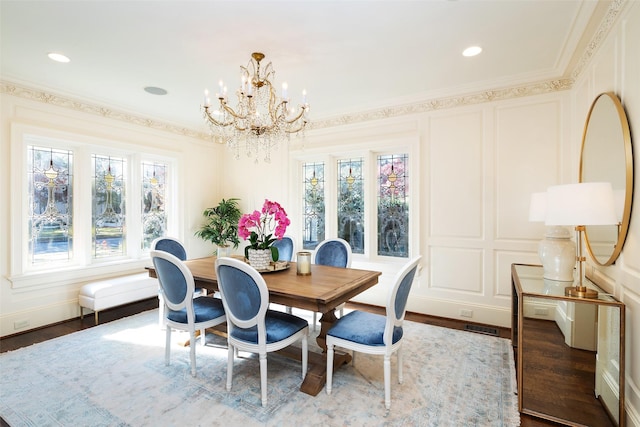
x=472, y=51
x=155, y=90
x=58, y=57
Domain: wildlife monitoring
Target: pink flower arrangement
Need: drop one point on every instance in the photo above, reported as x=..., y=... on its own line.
x=260, y=227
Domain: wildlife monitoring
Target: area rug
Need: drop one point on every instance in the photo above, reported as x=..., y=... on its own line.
x=114, y=375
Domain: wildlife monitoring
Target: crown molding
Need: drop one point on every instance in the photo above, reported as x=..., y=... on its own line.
x=447, y=103
x=615, y=7
x=44, y=97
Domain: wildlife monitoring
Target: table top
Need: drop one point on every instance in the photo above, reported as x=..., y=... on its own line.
x=530, y=281
x=323, y=290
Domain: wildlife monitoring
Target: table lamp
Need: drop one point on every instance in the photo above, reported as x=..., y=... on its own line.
x=556, y=251
x=579, y=205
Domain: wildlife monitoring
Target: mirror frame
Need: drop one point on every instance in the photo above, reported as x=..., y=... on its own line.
x=628, y=154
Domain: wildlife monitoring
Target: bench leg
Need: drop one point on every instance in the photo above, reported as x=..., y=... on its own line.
x=81, y=313
x=96, y=316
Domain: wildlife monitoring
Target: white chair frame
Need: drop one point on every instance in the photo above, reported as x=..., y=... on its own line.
x=392, y=320
x=187, y=303
x=262, y=348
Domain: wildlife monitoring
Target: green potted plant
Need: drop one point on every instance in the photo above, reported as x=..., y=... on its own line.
x=221, y=226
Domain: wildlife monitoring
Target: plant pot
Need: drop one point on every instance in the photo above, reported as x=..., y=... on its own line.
x=224, y=251
x=259, y=258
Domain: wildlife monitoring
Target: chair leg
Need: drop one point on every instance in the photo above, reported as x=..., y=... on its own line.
x=192, y=352
x=263, y=378
x=288, y=310
x=400, y=357
x=167, y=346
x=230, y=353
x=387, y=381
x=329, y=367
x=315, y=319
x=305, y=356
x=161, y=319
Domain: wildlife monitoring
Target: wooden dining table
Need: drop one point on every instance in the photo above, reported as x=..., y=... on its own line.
x=321, y=291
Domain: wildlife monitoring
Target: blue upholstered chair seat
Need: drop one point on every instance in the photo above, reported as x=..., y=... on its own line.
x=279, y=326
x=363, y=328
x=204, y=309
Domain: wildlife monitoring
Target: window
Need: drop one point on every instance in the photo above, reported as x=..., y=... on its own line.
x=313, y=209
x=108, y=197
x=393, y=205
x=363, y=198
x=351, y=203
x=86, y=205
x=49, y=176
x=154, y=217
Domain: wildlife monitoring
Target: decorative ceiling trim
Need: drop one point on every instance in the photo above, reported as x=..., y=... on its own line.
x=603, y=30
x=96, y=110
x=445, y=103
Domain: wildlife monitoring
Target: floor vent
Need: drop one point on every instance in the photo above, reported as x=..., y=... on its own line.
x=482, y=330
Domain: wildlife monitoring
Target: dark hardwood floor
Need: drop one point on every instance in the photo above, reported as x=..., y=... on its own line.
x=540, y=389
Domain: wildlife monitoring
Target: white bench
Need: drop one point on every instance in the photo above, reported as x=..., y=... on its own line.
x=117, y=291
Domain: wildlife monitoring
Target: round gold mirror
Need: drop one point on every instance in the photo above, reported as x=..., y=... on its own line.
x=607, y=157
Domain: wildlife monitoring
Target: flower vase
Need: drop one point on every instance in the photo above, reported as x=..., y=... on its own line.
x=259, y=258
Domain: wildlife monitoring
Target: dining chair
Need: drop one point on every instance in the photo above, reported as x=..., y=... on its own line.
x=182, y=310
x=175, y=248
x=251, y=326
x=285, y=248
x=371, y=333
x=334, y=252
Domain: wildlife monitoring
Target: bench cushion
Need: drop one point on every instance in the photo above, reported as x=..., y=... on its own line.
x=117, y=291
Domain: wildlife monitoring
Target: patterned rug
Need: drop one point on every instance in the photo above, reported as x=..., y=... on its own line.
x=114, y=375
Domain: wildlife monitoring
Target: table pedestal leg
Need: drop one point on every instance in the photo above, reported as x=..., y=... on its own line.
x=316, y=376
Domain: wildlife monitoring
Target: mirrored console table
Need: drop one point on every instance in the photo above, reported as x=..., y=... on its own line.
x=569, y=351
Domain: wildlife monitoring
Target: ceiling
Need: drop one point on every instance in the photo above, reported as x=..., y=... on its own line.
x=348, y=55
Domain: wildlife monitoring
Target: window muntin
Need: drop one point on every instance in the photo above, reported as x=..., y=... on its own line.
x=313, y=204
x=393, y=205
x=50, y=188
x=351, y=203
x=108, y=200
x=154, y=215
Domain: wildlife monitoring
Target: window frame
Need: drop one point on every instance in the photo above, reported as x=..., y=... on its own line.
x=369, y=151
x=82, y=265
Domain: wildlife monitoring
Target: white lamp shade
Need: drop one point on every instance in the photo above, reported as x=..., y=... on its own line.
x=586, y=203
x=538, y=207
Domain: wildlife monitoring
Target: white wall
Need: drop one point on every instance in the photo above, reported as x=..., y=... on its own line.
x=615, y=66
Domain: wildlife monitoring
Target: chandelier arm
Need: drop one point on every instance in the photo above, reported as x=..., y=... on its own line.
x=303, y=109
x=213, y=120
x=298, y=129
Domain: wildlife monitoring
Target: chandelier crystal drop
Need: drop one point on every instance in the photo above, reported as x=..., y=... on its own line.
x=261, y=120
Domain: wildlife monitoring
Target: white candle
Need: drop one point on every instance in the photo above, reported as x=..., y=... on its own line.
x=303, y=263
x=285, y=86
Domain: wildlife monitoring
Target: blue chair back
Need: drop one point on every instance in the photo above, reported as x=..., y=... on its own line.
x=176, y=281
x=398, y=297
x=285, y=248
x=171, y=245
x=334, y=252
x=244, y=294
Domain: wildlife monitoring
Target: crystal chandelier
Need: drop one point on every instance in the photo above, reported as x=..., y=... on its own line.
x=261, y=119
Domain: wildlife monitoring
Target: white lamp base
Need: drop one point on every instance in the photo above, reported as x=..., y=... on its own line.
x=558, y=254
